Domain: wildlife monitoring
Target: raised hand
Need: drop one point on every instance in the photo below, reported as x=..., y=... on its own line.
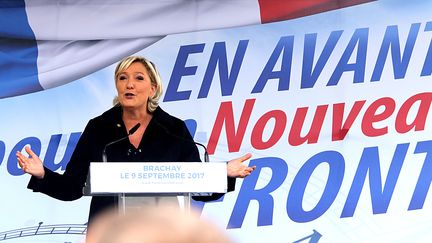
x=32, y=164
x=236, y=168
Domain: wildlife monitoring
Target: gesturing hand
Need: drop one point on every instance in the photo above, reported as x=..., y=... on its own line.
x=32, y=164
x=236, y=168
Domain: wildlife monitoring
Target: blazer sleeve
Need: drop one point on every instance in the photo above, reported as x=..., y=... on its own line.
x=68, y=186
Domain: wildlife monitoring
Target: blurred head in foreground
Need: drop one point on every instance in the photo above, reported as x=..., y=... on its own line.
x=160, y=224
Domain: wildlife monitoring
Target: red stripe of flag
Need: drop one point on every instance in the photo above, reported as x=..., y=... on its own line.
x=277, y=10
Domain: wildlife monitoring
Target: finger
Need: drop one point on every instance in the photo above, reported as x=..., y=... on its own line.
x=20, y=158
x=22, y=164
x=30, y=152
x=249, y=169
x=245, y=157
x=246, y=174
x=20, y=155
x=25, y=169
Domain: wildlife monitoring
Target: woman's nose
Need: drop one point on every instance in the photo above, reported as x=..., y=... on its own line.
x=129, y=85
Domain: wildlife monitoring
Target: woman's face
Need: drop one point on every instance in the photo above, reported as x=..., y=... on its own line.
x=134, y=87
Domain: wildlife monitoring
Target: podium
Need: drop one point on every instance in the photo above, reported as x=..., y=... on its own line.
x=137, y=184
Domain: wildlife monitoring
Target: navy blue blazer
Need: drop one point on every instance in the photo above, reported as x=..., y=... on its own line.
x=164, y=140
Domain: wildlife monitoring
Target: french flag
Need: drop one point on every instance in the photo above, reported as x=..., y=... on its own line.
x=48, y=43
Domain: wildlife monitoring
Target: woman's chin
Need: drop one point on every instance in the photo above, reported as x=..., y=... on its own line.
x=132, y=106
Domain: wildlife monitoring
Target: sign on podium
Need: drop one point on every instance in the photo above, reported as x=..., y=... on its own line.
x=140, y=183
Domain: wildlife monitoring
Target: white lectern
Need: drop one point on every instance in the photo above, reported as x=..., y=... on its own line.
x=139, y=184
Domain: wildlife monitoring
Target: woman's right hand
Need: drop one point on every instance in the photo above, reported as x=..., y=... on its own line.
x=32, y=164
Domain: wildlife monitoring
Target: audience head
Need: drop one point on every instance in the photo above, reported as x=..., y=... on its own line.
x=162, y=224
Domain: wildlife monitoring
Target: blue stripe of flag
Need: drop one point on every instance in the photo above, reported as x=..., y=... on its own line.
x=18, y=51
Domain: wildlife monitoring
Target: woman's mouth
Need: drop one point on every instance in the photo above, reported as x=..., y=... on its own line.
x=129, y=95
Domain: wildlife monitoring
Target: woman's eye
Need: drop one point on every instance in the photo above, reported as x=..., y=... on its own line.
x=140, y=77
x=122, y=77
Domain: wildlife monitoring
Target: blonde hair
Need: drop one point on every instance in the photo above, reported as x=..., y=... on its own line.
x=155, y=79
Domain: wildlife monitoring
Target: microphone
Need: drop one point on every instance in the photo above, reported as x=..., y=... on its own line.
x=206, y=155
x=131, y=131
x=86, y=191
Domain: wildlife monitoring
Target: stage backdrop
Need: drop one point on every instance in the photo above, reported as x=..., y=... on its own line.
x=335, y=108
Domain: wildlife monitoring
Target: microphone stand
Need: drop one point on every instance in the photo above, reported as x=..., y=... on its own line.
x=131, y=131
x=206, y=155
x=86, y=189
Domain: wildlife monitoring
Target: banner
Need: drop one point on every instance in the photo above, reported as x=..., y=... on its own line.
x=335, y=108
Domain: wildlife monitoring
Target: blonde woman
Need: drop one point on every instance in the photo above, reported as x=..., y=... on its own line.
x=139, y=88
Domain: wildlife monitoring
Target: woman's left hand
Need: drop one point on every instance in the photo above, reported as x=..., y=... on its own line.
x=236, y=168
